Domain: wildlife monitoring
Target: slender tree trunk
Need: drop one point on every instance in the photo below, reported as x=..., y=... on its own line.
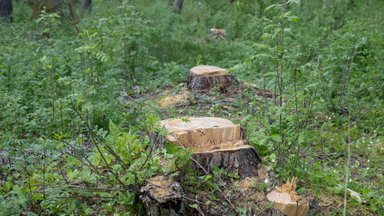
x=179, y=5
x=87, y=5
x=6, y=10
x=325, y=4
x=199, y=6
x=261, y=7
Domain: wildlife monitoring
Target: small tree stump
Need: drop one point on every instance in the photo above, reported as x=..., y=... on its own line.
x=163, y=196
x=205, y=77
x=215, y=142
x=287, y=201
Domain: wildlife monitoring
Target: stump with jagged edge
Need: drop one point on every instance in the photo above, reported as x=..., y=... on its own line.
x=287, y=200
x=215, y=142
x=163, y=196
x=205, y=76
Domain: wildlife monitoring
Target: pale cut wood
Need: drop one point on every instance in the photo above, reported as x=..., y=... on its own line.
x=287, y=201
x=215, y=142
x=207, y=70
x=206, y=76
x=202, y=134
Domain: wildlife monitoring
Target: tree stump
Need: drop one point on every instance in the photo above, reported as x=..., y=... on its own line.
x=287, y=201
x=163, y=196
x=215, y=142
x=205, y=77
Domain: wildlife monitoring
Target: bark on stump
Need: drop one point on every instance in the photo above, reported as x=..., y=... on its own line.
x=215, y=142
x=205, y=77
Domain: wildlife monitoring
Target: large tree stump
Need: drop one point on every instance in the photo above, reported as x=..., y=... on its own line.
x=205, y=77
x=215, y=142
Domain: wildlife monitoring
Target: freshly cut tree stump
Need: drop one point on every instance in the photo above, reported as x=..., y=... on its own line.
x=287, y=201
x=215, y=142
x=205, y=77
x=163, y=196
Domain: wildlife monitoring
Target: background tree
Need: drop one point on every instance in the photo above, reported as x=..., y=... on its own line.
x=179, y=5
x=6, y=9
x=87, y=5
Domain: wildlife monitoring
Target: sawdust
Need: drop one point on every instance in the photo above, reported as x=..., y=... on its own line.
x=174, y=100
x=327, y=201
x=249, y=193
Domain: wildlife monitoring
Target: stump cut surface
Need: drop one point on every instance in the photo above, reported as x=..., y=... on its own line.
x=207, y=70
x=203, y=134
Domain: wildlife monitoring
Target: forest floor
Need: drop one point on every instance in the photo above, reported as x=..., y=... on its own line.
x=231, y=102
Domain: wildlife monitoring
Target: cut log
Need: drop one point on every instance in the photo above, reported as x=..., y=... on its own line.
x=287, y=201
x=215, y=142
x=163, y=196
x=205, y=77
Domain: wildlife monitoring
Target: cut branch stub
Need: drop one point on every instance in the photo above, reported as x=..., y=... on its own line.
x=215, y=142
x=205, y=77
x=287, y=201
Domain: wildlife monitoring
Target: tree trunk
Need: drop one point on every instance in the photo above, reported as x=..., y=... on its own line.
x=261, y=7
x=6, y=10
x=205, y=77
x=179, y=5
x=325, y=4
x=47, y=5
x=87, y=5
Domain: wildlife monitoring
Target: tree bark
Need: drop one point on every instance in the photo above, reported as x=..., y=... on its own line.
x=6, y=10
x=87, y=5
x=325, y=4
x=179, y=5
x=205, y=77
x=47, y=5
x=242, y=161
